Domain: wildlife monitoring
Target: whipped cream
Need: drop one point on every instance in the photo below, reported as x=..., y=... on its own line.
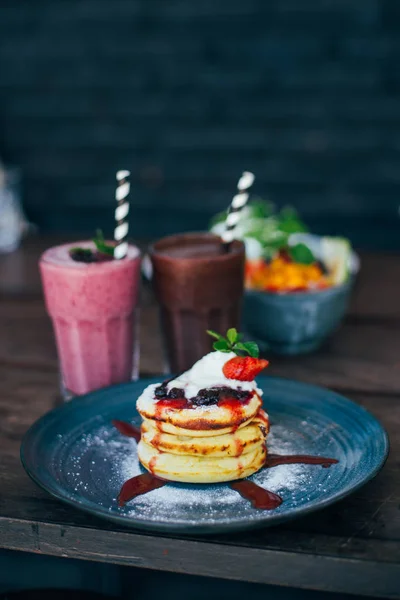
x=207, y=372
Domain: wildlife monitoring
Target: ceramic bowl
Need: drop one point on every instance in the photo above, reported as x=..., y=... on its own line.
x=296, y=323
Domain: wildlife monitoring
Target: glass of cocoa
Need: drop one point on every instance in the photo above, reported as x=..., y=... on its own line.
x=198, y=283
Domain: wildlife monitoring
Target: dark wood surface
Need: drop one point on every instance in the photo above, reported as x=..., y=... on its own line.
x=353, y=546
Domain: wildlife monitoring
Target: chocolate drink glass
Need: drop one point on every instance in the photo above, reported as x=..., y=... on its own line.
x=94, y=309
x=199, y=286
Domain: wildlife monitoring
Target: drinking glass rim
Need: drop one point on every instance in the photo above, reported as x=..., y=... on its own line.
x=192, y=235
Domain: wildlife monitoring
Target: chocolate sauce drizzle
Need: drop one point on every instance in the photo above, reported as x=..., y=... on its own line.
x=258, y=496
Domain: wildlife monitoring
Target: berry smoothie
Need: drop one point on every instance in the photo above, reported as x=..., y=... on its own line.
x=93, y=306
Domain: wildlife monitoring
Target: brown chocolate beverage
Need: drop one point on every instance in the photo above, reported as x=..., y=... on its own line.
x=199, y=286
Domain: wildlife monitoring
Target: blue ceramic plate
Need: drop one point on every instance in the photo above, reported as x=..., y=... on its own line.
x=76, y=455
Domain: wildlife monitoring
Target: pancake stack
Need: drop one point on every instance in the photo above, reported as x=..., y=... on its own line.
x=187, y=440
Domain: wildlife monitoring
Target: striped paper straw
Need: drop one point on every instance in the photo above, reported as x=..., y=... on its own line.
x=239, y=201
x=121, y=213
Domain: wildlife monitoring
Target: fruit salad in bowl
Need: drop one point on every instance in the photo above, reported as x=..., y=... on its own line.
x=282, y=256
x=297, y=284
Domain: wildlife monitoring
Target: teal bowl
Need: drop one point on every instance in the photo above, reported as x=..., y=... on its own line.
x=294, y=323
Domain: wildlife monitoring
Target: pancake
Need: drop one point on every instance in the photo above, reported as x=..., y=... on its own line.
x=200, y=469
x=205, y=426
x=168, y=428
x=262, y=420
x=216, y=417
x=243, y=441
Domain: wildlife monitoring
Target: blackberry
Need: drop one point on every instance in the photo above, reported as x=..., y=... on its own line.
x=206, y=397
x=240, y=394
x=161, y=391
x=83, y=255
x=210, y=396
x=175, y=393
x=233, y=393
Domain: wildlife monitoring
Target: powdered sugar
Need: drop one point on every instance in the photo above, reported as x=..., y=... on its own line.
x=169, y=501
x=96, y=465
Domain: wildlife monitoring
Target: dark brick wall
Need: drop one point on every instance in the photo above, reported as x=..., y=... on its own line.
x=188, y=93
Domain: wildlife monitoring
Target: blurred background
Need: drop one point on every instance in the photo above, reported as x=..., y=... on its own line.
x=188, y=94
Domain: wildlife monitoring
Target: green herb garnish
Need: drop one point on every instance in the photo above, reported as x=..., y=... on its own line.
x=300, y=253
x=101, y=245
x=261, y=221
x=290, y=222
x=232, y=343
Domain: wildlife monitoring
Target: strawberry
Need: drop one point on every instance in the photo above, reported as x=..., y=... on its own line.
x=244, y=368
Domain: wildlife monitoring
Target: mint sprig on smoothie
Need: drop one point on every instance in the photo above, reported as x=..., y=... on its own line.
x=104, y=251
x=102, y=245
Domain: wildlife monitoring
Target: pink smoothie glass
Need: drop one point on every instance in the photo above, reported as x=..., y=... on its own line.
x=94, y=310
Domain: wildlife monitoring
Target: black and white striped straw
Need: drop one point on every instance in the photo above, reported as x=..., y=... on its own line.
x=121, y=213
x=239, y=201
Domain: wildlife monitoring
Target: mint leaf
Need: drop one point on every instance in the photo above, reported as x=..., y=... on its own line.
x=239, y=347
x=222, y=346
x=261, y=209
x=290, y=222
x=232, y=335
x=101, y=245
x=214, y=334
x=252, y=349
x=300, y=253
x=232, y=343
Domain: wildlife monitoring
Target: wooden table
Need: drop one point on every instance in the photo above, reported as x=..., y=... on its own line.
x=353, y=546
